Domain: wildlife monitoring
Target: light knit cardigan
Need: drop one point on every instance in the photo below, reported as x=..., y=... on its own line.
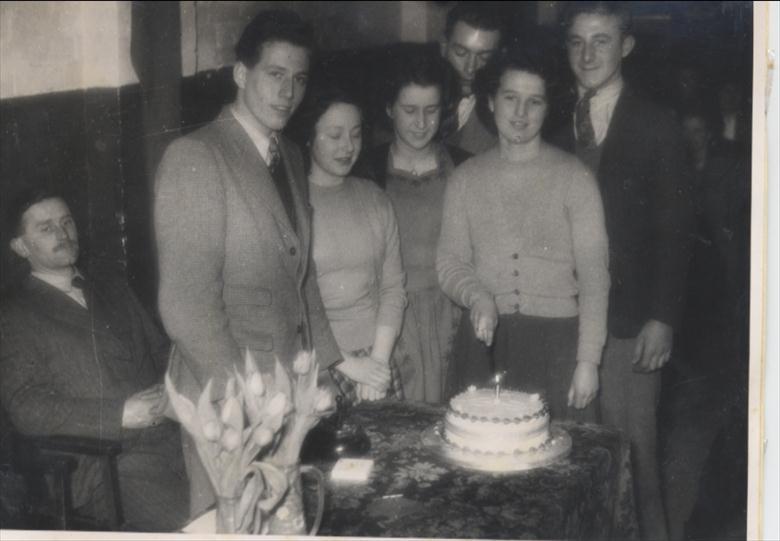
x=531, y=235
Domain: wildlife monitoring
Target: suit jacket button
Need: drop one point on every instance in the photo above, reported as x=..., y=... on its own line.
x=299, y=328
x=293, y=251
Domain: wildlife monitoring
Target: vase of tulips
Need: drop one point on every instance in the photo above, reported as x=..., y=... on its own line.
x=250, y=442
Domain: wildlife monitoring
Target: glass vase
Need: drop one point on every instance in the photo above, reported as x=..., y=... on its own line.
x=228, y=520
x=289, y=518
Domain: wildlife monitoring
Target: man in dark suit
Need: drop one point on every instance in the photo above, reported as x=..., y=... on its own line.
x=80, y=357
x=637, y=152
x=233, y=227
x=472, y=35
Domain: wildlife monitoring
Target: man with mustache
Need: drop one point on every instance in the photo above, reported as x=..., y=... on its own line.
x=80, y=357
x=472, y=35
x=233, y=227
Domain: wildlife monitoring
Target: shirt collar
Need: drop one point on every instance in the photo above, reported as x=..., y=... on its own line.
x=465, y=107
x=606, y=95
x=61, y=282
x=260, y=140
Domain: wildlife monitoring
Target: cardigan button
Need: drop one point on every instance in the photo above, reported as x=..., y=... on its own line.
x=516, y=273
x=293, y=251
x=515, y=256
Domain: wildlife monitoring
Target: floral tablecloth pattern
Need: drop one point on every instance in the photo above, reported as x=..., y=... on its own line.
x=414, y=492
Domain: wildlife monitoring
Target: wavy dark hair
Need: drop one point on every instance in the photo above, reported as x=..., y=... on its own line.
x=21, y=203
x=275, y=25
x=475, y=14
x=419, y=65
x=323, y=94
x=524, y=59
x=618, y=9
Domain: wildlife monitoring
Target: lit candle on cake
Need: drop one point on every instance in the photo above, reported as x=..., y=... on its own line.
x=497, y=379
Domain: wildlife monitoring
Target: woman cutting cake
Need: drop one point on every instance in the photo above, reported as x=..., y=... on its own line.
x=523, y=247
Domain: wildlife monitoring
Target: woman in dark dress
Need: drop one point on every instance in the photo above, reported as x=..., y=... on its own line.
x=413, y=169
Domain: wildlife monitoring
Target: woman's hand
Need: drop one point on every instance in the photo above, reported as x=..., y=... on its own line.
x=366, y=371
x=368, y=393
x=484, y=318
x=584, y=385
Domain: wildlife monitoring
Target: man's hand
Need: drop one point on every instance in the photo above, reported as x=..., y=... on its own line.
x=484, y=318
x=584, y=385
x=653, y=346
x=145, y=408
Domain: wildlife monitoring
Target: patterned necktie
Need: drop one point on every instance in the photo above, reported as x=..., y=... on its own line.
x=586, y=136
x=273, y=154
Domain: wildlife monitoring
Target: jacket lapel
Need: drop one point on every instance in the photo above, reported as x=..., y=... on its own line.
x=300, y=191
x=253, y=177
x=57, y=304
x=93, y=319
x=616, y=133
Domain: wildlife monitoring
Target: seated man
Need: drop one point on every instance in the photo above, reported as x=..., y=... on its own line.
x=80, y=357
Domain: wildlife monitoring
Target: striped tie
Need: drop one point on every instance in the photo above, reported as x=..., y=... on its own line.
x=273, y=154
x=586, y=136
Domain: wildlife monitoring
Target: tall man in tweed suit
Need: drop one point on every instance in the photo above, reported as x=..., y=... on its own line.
x=233, y=229
x=637, y=152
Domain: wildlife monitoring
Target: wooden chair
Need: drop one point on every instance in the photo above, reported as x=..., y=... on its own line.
x=46, y=465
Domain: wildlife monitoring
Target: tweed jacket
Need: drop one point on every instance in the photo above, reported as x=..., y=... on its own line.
x=645, y=181
x=234, y=273
x=66, y=370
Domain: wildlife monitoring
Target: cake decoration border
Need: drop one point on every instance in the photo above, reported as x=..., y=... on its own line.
x=499, y=420
x=549, y=442
x=557, y=448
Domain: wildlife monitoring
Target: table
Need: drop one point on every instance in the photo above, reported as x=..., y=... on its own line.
x=414, y=492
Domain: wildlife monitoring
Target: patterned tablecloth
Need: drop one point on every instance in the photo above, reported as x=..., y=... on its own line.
x=414, y=492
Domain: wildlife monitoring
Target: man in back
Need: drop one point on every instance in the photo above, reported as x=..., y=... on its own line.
x=471, y=36
x=80, y=357
x=637, y=153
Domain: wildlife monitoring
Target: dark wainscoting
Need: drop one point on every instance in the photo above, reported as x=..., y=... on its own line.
x=70, y=142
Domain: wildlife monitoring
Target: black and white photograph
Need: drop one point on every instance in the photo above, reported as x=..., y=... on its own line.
x=411, y=269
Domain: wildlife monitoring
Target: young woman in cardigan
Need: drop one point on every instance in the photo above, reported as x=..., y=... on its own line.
x=523, y=247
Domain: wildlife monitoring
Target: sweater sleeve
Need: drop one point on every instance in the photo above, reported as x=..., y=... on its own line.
x=392, y=296
x=591, y=259
x=454, y=254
